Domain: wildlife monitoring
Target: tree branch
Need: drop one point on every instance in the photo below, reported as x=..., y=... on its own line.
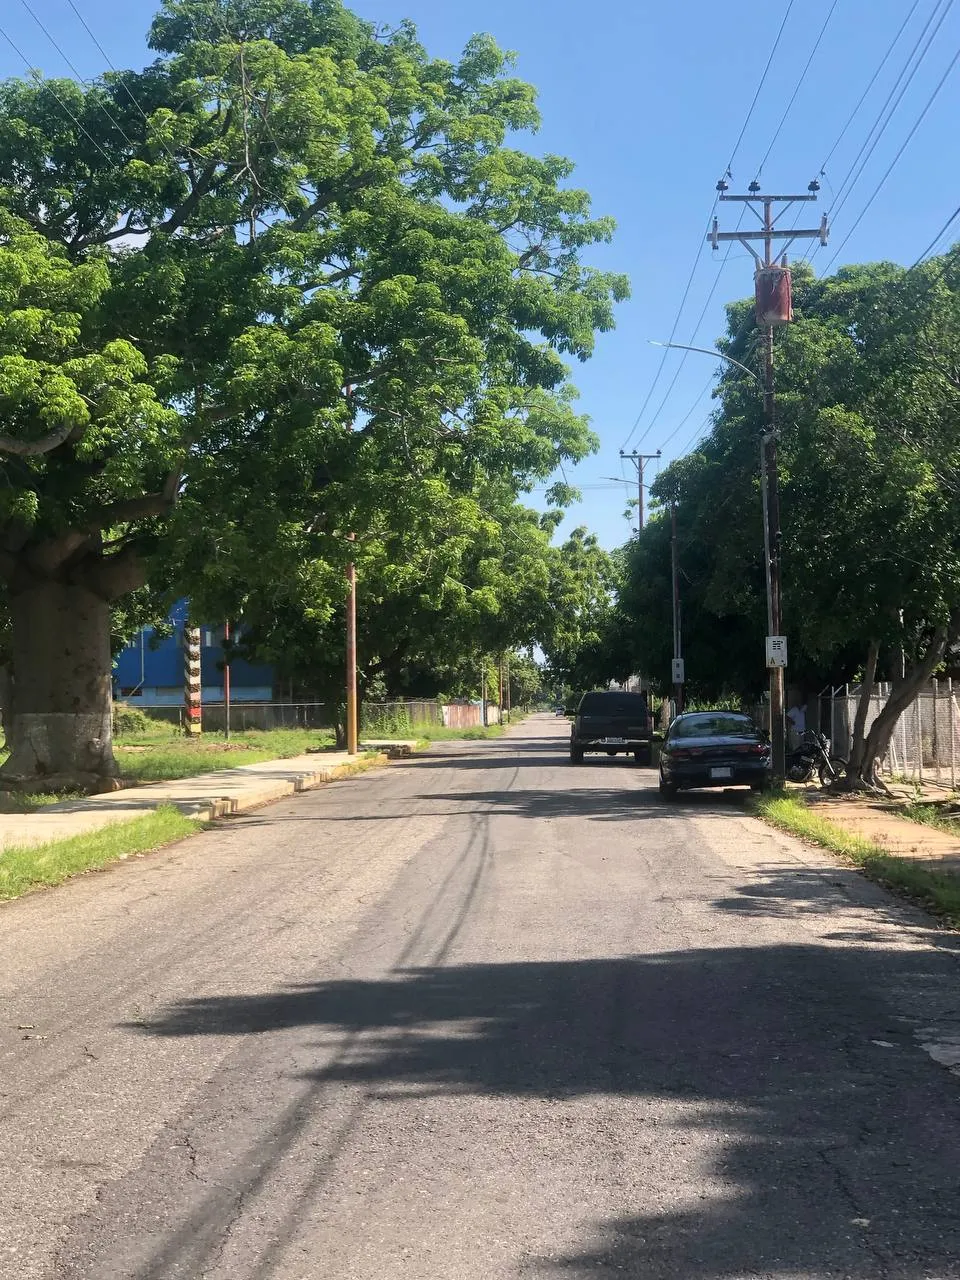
x=113, y=576
x=33, y=448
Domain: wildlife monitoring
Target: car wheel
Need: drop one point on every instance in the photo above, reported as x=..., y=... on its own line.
x=644, y=756
x=576, y=757
x=668, y=789
x=760, y=786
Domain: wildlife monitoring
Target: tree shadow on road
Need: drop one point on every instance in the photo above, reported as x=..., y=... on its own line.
x=793, y=1070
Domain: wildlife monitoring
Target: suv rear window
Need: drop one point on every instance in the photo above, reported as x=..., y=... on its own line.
x=613, y=704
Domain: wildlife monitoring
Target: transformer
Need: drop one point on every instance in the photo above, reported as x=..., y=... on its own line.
x=774, y=296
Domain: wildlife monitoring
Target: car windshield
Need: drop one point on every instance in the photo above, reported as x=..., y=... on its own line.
x=613, y=704
x=715, y=724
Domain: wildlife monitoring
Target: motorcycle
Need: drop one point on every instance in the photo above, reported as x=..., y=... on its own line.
x=813, y=755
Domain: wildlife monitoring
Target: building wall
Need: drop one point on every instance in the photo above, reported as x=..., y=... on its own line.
x=150, y=671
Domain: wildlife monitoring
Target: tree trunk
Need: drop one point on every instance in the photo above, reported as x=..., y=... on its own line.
x=863, y=706
x=61, y=727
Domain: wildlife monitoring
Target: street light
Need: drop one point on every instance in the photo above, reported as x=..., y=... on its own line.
x=777, y=727
x=709, y=351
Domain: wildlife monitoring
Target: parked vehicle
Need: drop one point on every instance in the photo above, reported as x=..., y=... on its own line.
x=714, y=749
x=813, y=755
x=613, y=722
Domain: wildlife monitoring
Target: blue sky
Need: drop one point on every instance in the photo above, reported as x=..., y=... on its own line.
x=648, y=101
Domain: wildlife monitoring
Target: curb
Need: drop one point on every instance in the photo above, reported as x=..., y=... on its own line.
x=255, y=797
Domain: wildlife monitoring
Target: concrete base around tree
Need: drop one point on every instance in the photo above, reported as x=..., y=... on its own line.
x=209, y=796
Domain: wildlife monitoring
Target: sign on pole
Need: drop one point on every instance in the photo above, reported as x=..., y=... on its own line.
x=776, y=651
x=678, y=671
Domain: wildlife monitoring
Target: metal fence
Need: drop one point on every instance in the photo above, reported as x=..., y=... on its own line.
x=926, y=741
x=381, y=719
x=377, y=719
x=246, y=715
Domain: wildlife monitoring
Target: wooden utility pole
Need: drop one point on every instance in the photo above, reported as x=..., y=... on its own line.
x=352, y=722
x=639, y=459
x=226, y=681
x=678, y=672
x=774, y=307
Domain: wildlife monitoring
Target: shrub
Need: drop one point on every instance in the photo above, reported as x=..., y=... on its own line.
x=127, y=719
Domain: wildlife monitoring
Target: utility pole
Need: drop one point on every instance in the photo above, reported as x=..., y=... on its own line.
x=226, y=682
x=678, y=672
x=352, y=725
x=774, y=307
x=639, y=459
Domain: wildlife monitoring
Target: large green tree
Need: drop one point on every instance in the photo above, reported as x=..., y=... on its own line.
x=869, y=442
x=309, y=289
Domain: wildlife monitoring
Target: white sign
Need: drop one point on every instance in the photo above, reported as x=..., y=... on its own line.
x=776, y=651
x=678, y=671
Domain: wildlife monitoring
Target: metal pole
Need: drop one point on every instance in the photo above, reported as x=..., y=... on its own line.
x=919, y=719
x=953, y=735
x=352, y=726
x=936, y=728
x=226, y=683
x=483, y=692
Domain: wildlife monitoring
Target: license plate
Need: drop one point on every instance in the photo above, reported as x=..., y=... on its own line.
x=721, y=773
x=614, y=742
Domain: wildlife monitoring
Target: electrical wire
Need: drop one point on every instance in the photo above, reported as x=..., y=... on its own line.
x=937, y=238
x=120, y=79
x=883, y=118
x=903, y=146
x=872, y=81
x=803, y=75
x=851, y=179
x=46, y=31
x=703, y=239
x=48, y=85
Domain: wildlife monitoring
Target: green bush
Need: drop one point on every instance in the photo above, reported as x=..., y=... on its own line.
x=128, y=720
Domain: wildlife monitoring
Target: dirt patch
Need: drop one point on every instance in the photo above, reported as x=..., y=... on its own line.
x=883, y=827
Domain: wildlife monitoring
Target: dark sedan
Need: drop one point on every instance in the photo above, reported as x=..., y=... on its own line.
x=713, y=749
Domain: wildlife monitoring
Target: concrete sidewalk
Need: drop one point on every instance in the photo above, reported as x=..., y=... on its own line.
x=208, y=796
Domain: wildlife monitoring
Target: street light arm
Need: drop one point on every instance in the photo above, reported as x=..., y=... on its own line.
x=709, y=351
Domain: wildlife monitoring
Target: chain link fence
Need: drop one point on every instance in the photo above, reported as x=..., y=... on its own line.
x=926, y=741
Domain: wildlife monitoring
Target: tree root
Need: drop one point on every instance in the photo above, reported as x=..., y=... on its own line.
x=88, y=784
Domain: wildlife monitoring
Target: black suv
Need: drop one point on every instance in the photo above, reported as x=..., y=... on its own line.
x=612, y=721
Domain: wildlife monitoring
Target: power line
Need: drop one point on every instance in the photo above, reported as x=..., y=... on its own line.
x=939, y=236
x=46, y=31
x=763, y=78
x=793, y=96
x=884, y=117
x=47, y=84
x=849, y=182
x=877, y=72
x=872, y=81
x=696, y=261
x=903, y=146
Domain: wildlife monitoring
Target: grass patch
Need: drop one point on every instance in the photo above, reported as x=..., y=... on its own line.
x=937, y=891
x=439, y=733
x=930, y=815
x=162, y=757
x=25, y=867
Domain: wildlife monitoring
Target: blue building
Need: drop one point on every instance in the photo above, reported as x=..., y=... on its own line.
x=149, y=670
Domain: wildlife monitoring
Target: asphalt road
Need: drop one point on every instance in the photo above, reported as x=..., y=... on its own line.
x=479, y=1015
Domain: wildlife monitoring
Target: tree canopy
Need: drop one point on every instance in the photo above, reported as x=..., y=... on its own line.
x=288, y=283
x=868, y=409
